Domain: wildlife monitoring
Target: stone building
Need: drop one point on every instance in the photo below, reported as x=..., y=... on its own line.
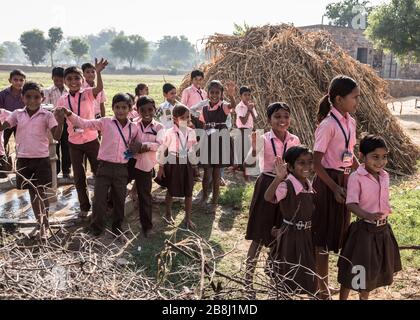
x=360, y=48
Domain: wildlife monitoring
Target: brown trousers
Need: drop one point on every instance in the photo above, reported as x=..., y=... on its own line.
x=77, y=154
x=109, y=176
x=144, y=192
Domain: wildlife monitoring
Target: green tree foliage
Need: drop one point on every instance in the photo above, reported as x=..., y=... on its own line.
x=130, y=48
x=34, y=46
x=79, y=48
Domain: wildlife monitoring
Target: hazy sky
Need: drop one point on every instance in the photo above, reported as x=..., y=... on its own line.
x=154, y=18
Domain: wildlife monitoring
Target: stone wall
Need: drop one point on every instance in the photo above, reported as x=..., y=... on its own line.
x=404, y=88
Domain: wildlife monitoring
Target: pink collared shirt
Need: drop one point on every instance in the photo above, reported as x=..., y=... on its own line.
x=153, y=133
x=267, y=154
x=370, y=194
x=329, y=139
x=32, y=133
x=226, y=109
x=3, y=116
x=112, y=144
x=192, y=95
x=175, y=140
x=87, y=112
x=100, y=98
x=281, y=191
x=241, y=110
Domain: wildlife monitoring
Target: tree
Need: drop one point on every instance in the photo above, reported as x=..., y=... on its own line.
x=2, y=52
x=348, y=13
x=79, y=48
x=394, y=27
x=34, y=45
x=174, y=52
x=13, y=53
x=55, y=36
x=100, y=43
x=129, y=48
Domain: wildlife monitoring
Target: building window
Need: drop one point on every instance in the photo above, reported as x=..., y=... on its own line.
x=362, y=55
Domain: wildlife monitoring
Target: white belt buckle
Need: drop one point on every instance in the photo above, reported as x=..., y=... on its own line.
x=380, y=223
x=347, y=171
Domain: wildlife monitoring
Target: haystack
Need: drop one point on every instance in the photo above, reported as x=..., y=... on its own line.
x=280, y=63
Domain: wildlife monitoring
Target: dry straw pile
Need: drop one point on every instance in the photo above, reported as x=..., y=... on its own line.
x=280, y=63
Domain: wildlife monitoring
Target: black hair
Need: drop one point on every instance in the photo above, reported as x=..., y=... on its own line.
x=293, y=153
x=131, y=97
x=339, y=86
x=244, y=89
x=168, y=87
x=140, y=87
x=215, y=83
x=58, y=72
x=370, y=142
x=17, y=72
x=87, y=65
x=143, y=100
x=197, y=73
x=71, y=70
x=179, y=110
x=121, y=97
x=276, y=106
x=32, y=86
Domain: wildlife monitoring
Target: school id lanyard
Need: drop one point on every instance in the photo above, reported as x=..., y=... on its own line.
x=184, y=147
x=121, y=133
x=78, y=103
x=275, y=150
x=346, y=139
x=201, y=96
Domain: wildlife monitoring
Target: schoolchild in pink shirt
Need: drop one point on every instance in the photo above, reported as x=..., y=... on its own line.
x=292, y=190
x=368, y=199
x=176, y=171
x=89, y=73
x=194, y=94
x=82, y=142
x=263, y=215
x=245, y=115
x=33, y=169
x=335, y=138
x=150, y=138
x=118, y=135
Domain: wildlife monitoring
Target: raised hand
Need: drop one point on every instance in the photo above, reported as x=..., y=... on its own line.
x=280, y=168
x=231, y=88
x=101, y=64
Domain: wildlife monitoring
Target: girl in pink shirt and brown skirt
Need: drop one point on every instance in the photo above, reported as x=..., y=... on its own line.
x=335, y=138
x=370, y=254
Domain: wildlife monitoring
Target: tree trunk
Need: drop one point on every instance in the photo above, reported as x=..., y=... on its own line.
x=52, y=59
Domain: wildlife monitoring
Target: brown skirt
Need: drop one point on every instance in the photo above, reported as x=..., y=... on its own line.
x=375, y=249
x=179, y=179
x=263, y=215
x=331, y=220
x=292, y=260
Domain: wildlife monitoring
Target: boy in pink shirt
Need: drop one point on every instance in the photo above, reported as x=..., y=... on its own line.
x=150, y=138
x=118, y=135
x=194, y=94
x=245, y=116
x=368, y=199
x=33, y=125
x=89, y=73
x=82, y=142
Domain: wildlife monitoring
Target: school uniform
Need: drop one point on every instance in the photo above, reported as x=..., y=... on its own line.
x=82, y=142
x=179, y=150
x=241, y=110
x=191, y=96
x=263, y=215
x=10, y=102
x=32, y=152
x=51, y=96
x=112, y=169
x=151, y=135
x=100, y=98
x=336, y=138
x=164, y=114
x=5, y=163
x=370, y=244
x=216, y=147
x=293, y=255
